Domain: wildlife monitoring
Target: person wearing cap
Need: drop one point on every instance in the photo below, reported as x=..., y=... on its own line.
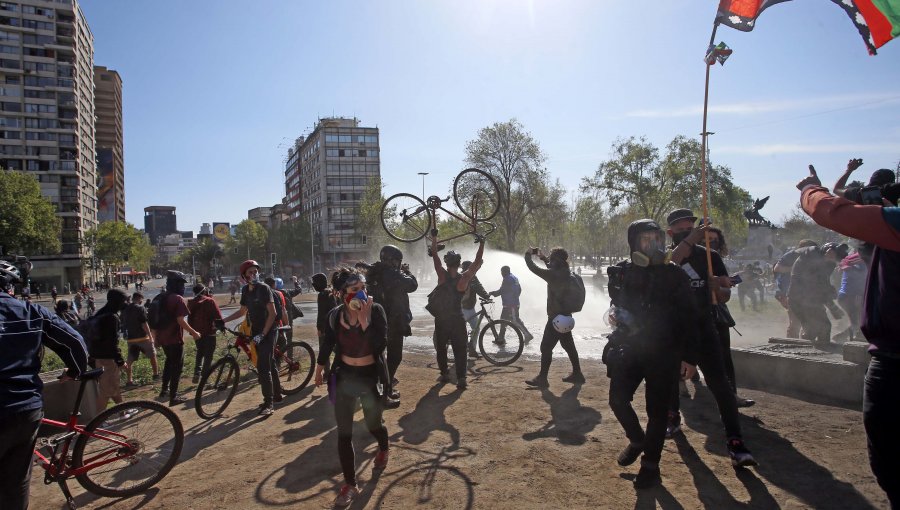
x=139, y=337
x=170, y=336
x=104, y=348
x=258, y=305
x=203, y=312
x=689, y=252
x=811, y=291
x=449, y=324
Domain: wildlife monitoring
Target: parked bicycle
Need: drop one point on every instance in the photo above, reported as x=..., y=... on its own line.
x=407, y=218
x=123, y=451
x=500, y=341
x=295, y=362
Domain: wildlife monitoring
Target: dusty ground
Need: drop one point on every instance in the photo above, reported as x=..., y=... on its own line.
x=500, y=445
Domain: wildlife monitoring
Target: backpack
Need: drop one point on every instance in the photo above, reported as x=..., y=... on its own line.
x=572, y=300
x=445, y=300
x=89, y=329
x=157, y=315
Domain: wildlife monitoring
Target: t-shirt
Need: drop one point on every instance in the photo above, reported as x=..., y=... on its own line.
x=256, y=301
x=696, y=269
x=204, y=311
x=172, y=333
x=134, y=316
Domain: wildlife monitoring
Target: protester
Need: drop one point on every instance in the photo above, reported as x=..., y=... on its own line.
x=782, y=276
x=139, y=337
x=691, y=255
x=203, y=312
x=356, y=332
x=232, y=289
x=26, y=329
x=54, y=293
x=65, y=313
x=475, y=290
x=449, y=324
x=509, y=293
x=78, y=300
x=258, y=305
x=170, y=335
x=104, y=348
x=811, y=291
x=655, y=320
x=750, y=284
x=325, y=302
x=853, y=283
x=880, y=322
x=558, y=329
x=293, y=312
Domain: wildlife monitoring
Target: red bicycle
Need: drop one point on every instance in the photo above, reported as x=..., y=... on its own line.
x=123, y=451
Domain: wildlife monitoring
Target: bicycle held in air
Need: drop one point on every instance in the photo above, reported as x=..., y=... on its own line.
x=123, y=451
x=295, y=362
x=500, y=341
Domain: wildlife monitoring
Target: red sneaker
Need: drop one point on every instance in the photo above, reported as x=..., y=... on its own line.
x=381, y=460
x=346, y=496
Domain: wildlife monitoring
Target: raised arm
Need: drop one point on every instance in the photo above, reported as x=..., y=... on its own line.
x=841, y=183
x=468, y=274
x=543, y=273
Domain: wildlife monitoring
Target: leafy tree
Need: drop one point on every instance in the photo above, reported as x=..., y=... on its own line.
x=250, y=241
x=202, y=255
x=290, y=240
x=28, y=222
x=514, y=158
x=550, y=227
x=368, y=218
x=118, y=243
x=797, y=225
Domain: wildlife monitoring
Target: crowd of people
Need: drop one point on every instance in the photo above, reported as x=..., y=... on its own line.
x=669, y=315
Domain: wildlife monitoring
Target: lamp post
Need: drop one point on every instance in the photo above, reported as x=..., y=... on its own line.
x=423, y=174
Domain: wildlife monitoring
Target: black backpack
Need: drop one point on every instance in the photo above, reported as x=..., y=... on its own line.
x=572, y=299
x=89, y=329
x=157, y=315
x=445, y=300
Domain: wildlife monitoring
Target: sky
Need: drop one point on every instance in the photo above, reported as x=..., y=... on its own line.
x=215, y=92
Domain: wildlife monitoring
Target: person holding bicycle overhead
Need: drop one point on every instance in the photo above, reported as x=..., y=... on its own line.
x=258, y=304
x=356, y=332
x=26, y=328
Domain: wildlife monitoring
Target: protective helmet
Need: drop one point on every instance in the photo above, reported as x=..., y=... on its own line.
x=639, y=226
x=9, y=272
x=841, y=249
x=175, y=276
x=389, y=253
x=563, y=323
x=452, y=259
x=247, y=264
x=279, y=284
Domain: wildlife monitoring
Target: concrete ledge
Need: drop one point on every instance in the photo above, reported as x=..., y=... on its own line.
x=59, y=398
x=857, y=352
x=822, y=380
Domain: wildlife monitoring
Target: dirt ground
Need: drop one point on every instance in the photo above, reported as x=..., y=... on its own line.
x=502, y=445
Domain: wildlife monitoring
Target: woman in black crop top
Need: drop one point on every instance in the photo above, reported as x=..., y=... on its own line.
x=357, y=334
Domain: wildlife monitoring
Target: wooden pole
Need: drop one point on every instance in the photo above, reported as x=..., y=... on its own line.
x=703, y=173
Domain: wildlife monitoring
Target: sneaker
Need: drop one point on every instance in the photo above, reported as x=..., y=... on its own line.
x=266, y=410
x=163, y=395
x=630, y=454
x=381, y=460
x=574, y=377
x=278, y=397
x=174, y=401
x=443, y=378
x=461, y=385
x=538, y=382
x=740, y=455
x=128, y=413
x=473, y=353
x=346, y=496
x=499, y=341
x=395, y=395
x=391, y=403
x=195, y=379
x=744, y=402
x=674, y=425
x=647, y=478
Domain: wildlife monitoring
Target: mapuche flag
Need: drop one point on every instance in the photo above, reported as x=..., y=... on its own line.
x=878, y=21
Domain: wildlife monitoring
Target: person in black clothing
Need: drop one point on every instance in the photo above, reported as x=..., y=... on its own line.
x=557, y=277
x=811, y=290
x=104, y=348
x=476, y=289
x=692, y=257
x=325, y=302
x=390, y=283
x=356, y=332
x=654, y=340
x=64, y=309
x=139, y=337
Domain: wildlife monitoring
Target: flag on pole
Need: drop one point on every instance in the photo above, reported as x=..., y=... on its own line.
x=742, y=14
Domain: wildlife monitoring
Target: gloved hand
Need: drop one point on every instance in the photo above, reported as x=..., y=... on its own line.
x=478, y=238
x=257, y=339
x=219, y=324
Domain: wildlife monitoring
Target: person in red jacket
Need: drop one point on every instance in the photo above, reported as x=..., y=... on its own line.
x=204, y=312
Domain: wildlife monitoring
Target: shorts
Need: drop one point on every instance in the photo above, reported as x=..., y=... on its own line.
x=110, y=386
x=137, y=346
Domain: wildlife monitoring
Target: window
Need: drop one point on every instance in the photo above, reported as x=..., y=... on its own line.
x=372, y=153
x=8, y=36
x=40, y=108
x=39, y=25
x=9, y=6
x=9, y=49
x=12, y=80
x=42, y=123
x=10, y=91
x=10, y=122
x=10, y=107
x=36, y=150
x=11, y=150
x=39, y=81
x=10, y=64
x=38, y=52
x=40, y=66
x=13, y=22
x=40, y=94
x=10, y=135
x=332, y=153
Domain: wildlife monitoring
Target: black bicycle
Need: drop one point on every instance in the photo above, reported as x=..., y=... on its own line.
x=495, y=342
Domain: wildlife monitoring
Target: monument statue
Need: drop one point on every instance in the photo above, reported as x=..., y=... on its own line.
x=753, y=216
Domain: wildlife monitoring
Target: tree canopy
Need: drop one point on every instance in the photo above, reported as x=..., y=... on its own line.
x=118, y=243
x=28, y=221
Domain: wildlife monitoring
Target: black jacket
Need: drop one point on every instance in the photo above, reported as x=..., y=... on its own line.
x=557, y=283
x=329, y=342
x=394, y=287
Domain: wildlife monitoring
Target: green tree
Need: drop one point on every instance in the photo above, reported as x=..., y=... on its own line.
x=514, y=158
x=368, y=218
x=118, y=243
x=250, y=241
x=28, y=222
x=290, y=241
x=202, y=255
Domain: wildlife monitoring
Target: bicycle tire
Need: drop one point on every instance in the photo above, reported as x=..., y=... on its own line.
x=476, y=194
x=500, y=354
x=217, y=387
x=156, y=436
x=295, y=367
x=406, y=229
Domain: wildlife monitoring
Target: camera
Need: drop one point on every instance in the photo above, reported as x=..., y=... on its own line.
x=873, y=195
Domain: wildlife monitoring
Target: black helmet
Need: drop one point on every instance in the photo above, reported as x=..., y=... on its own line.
x=842, y=250
x=9, y=272
x=636, y=227
x=452, y=259
x=389, y=253
x=319, y=281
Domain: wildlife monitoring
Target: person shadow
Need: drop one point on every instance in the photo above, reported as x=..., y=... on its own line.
x=781, y=464
x=570, y=422
x=427, y=417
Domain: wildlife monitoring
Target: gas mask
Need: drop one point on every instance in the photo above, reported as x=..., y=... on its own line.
x=653, y=254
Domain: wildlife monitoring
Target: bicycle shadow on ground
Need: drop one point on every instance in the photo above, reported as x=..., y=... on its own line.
x=139, y=500
x=490, y=370
x=570, y=422
x=781, y=464
x=427, y=417
x=437, y=479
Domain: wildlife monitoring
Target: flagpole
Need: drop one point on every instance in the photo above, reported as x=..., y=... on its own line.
x=703, y=174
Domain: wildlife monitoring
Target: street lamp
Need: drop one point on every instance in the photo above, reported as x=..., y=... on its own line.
x=423, y=174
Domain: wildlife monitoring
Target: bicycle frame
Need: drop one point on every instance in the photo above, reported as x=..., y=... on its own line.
x=242, y=342
x=435, y=203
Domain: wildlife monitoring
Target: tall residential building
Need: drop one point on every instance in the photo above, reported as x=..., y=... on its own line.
x=110, y=145
x=326, y=174
x=159, y=221
x=47, y=120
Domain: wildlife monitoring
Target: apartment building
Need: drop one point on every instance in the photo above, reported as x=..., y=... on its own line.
x=110, y=145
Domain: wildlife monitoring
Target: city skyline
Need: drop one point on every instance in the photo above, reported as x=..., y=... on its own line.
x=799, y=89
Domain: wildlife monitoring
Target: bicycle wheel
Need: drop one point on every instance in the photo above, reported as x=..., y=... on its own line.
x=405, y=217
x=497, y=349
x=476, y=194
x=154, y=437
x=217, y=387
x=295, y=367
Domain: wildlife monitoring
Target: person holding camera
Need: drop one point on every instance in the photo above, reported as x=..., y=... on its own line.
x=655, y=339
x=880, y=323
x=26, y=328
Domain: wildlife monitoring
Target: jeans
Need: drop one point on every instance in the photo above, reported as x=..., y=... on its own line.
x=357, y=383
x=451, y=330
x=548, y=343
x=474, y=320
x=511, y=313
x=881, y=417
x=173, y=368
x=19, y=432
x=266, y=371
x=206, y=347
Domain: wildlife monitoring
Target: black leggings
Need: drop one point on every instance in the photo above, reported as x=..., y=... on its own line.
x=725, y=342
x=548, y=343
x=172, y=369
x=357, y=383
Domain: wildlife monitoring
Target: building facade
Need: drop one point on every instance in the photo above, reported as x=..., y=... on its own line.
x=47, y=121
x=326, y=175
x=110, y=145
x=159, y=221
